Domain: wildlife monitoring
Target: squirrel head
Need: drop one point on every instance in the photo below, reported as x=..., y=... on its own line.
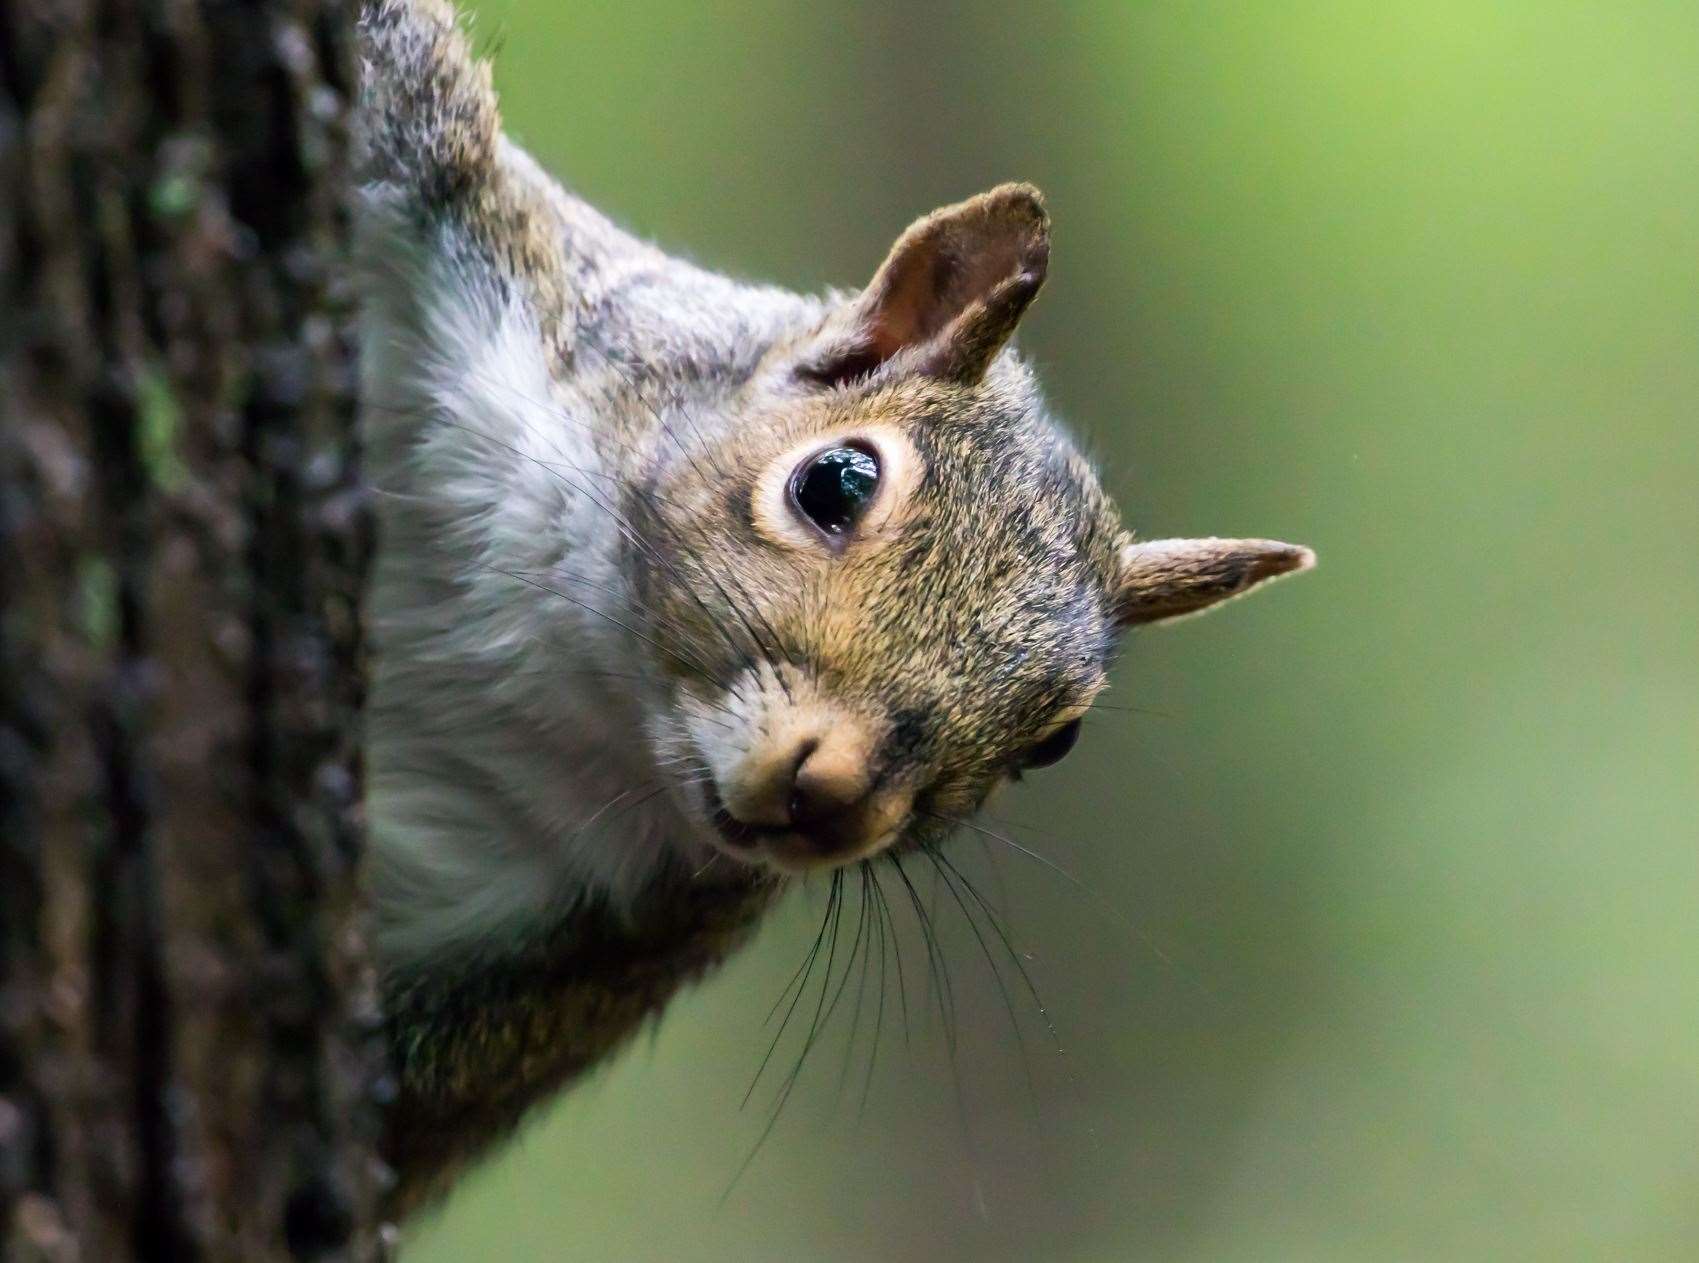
x=882, y=581
x=865, y=576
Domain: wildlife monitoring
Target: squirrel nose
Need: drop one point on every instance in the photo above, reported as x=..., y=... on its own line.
x=811, y=793
x=839, y=810
x=827, y=781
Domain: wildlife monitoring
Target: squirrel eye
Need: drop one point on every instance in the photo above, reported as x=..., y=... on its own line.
x=1053, y=748
x=832, y=489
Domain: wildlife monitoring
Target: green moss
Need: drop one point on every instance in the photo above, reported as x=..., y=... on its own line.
x=173, y=196
x=97, y=601
x=159, y=420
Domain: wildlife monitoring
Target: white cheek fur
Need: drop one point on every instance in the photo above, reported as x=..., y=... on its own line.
x=721, y=737
x=501, y=781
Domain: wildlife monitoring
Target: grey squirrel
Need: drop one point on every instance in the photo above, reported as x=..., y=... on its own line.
x=684, y=587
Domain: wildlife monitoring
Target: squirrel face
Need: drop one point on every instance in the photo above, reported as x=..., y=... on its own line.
x=884, y=582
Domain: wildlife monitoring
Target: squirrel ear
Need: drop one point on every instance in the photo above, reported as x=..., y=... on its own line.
x=1167, y=578
x=951, y=291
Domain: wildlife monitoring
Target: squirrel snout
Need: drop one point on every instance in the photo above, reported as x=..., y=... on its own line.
x=811, y=795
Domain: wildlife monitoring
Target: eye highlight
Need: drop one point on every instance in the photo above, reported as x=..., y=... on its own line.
x=1053, y=749
x=833, y=489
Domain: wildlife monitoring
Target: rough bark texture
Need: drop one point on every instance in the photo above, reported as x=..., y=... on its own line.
x=189, y=1044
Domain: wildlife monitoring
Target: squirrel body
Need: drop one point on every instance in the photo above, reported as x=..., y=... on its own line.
x=683, y=586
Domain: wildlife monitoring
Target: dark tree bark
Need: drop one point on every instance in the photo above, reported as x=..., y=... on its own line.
x=189, y=1047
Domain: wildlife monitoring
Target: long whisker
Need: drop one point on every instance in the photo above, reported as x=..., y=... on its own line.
x=741, y=610
x=1129, y=710
x=938, y=970
x=870, y=889
x=799, y=980
x=996, y=923
x=833, y=912
x=615, y=801
x=945, y=876
x=1107, y=908
x=662, y=624
x=896, y=955
x=863, y=920
x=820, y=1010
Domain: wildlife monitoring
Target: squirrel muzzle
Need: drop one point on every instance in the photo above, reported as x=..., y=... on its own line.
x=808, y=794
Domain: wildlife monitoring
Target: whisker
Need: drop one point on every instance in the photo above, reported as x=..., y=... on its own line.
x=1103, y=905
x=815, y=1024
x=938, y=972
x=1015, y=957
x=833, y=911
x=870, y=888
x=1129, y=710
x=896, y=955
x=862, y=922
x=605, y=807
x=944, y=874
x=741, y=610
x=799, y=980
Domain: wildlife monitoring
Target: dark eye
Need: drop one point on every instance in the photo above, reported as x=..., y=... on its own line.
x=834, y=488
x=1054, y=748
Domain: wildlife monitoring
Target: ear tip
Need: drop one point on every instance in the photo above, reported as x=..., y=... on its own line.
x=1273, y=559
x=1021, y=199
x=1018, y=191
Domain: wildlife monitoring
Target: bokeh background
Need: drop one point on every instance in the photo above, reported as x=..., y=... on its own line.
x=1385, y=937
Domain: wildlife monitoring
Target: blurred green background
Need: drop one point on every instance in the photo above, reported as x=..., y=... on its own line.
x=1388, y=946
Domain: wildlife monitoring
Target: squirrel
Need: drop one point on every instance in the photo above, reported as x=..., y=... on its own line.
x=684, y=587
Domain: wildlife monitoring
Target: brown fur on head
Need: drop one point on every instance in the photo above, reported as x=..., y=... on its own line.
x=882, y=681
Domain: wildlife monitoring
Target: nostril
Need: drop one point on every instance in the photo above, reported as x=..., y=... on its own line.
x=806, y=807
x=804, y=752
x=822, y=790
x=809, y=807
x=800, y=804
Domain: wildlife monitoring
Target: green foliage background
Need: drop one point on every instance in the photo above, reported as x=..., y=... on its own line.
x=1391, y=945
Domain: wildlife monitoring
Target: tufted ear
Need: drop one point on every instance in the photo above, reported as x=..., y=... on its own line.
x=949, y=294
x=1167, y=578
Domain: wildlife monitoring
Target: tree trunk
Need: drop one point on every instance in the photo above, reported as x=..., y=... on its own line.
x=190, y=1053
